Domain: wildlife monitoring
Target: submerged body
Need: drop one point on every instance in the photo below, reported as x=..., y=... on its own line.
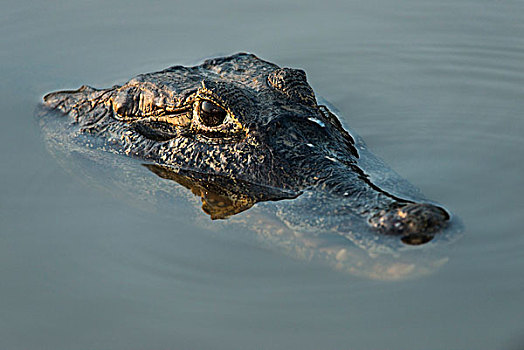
x=239, y=130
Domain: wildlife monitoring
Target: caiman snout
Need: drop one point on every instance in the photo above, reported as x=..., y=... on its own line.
x=416, y=223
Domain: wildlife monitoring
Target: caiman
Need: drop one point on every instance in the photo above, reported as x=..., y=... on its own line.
x=239, y=130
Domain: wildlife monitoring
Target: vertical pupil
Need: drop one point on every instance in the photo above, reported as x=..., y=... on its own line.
x=211, y=114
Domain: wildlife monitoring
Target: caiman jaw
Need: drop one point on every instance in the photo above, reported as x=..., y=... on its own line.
x=415, y=222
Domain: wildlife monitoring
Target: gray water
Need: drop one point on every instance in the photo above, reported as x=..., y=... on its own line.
x=436, y=89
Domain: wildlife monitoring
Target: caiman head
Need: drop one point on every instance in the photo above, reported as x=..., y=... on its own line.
x=248, y=121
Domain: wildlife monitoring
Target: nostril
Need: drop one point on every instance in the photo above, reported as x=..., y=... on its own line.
x=411, y=220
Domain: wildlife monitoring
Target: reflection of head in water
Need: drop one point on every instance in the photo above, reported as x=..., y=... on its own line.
x=221, y=197
x=297, y=227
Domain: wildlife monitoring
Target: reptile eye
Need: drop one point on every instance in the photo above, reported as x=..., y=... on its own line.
x=211, y=114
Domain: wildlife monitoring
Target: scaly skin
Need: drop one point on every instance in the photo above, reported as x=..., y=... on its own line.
x=245, y=121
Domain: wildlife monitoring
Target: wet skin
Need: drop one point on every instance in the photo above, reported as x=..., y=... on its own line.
x=245, y=130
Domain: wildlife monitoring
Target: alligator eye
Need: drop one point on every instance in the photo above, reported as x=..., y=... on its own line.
x=211, y=114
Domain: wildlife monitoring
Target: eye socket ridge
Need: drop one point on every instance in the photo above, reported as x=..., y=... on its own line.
x=210, y=114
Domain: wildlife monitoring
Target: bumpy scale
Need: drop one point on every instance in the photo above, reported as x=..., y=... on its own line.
x=248, y=131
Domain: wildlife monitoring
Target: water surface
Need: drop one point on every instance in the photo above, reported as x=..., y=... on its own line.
x=434, y=88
